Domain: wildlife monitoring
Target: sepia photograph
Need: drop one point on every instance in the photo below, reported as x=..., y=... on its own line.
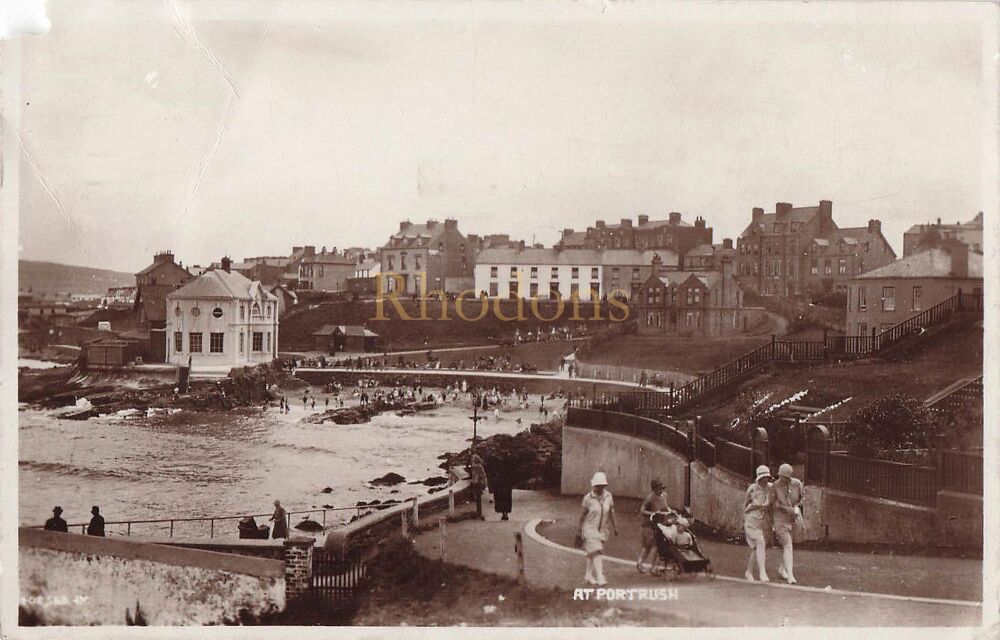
x=376, y=317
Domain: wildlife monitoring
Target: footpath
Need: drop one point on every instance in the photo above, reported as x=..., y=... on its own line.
x=835, y=588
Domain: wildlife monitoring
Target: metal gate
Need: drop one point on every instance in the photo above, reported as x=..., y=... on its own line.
x=335, y=580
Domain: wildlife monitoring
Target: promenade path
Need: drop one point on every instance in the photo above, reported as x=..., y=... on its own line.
x=864, y=589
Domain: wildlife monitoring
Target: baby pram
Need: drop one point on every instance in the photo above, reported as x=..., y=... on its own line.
x=677, y=559
x=248, y=529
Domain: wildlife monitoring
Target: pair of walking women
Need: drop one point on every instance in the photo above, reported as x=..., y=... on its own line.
x=781, y=502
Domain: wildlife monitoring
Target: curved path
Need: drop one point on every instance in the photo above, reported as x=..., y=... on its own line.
x=727, y=601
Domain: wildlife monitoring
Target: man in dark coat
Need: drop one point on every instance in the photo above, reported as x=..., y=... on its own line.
x=56, y=523
x=96, y=526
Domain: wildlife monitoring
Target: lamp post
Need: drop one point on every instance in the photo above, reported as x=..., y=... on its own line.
x=475, y=417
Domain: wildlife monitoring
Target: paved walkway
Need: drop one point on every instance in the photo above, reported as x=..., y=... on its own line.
x=728, y=600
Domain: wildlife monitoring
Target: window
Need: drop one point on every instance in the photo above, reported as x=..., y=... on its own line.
x=267, y=307
x=554, y=291
x=534, y=272
x=217, y=312
x=635, y=273
x=862, y=298
x=574, y=290
x=391, y=268
x=917, y=295
x=688, y=319
x=216, y=343
x=575, y=273
x=888, y=298
x=533, y=288
x=402, y=261
x=194, y=342
x=241, y=342
x=243, y=312
x=416, y=262
x=268, y=341
x=494, y=271
x=827, y=268
x=842, y=266
x=690, y=296
x=595, y=290
x=669, y=240
x=513, y=272
x=320, y=271
x=593, y=273
x=614, y=273
x=649, y=295
x=862, y=329
x=178, y=342
x=258, y=340
x=512, y=290
x=494, y=289
x=554, y=273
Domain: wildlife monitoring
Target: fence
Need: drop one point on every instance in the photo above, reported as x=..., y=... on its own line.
x=617, y=373
x=965, y=395
x=335, y=580
x=678, y=399
x=960, y=471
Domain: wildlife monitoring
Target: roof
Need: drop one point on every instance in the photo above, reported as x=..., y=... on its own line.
x=795, y=214
x=328, y=258
x=217, y=283
x=530, y=255
x=632, y=257
x=933, y=263
x=161, y=264
x=975, y=223
x=348, y=330
x=675, y=278
x=701, y=250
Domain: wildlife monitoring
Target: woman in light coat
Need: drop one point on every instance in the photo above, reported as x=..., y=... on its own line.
x=756, y=506
x=597, y=519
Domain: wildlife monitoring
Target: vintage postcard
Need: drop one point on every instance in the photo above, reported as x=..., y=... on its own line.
x=375, y=317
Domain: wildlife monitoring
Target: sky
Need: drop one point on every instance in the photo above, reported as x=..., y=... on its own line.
x=243, y=129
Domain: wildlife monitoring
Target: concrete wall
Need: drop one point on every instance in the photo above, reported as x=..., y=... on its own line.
x=101, y=578
x=630, y=464
x=717, y=496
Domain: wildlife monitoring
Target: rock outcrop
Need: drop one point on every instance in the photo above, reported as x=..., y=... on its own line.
x=535, y=455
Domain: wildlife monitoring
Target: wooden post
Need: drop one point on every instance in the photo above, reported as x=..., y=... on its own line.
x=826, y=353
x=416, y=513
x=405, y=529
x=451, y=503
x=519, y=550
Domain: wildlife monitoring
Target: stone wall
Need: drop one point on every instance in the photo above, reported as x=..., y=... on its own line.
x=69, y=579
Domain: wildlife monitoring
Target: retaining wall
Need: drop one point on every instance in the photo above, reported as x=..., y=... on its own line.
x=70, y=579
x=717, y=496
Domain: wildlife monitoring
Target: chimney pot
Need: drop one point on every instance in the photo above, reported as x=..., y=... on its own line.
x=404, y=225
x=675, y=218
x=643, y=219
x=226, y=264
x=626, y=223
x=782, y=209
x=567, y=231
x=757, y=214
x=600, y=224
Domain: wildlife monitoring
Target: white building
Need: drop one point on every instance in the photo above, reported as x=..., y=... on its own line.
x=511, y=272
x=222, y=319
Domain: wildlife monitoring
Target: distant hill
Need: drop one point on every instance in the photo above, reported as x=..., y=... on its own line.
x=51, y=277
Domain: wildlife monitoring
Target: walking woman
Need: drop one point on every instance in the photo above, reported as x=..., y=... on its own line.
x=596, y=519
x=785, y=514
x=756, y=506
x=280, y=522
x=501, y=485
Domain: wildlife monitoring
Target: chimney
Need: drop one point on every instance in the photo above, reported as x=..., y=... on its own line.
x=226, y=264
x=404, y=225
x=309, y=251
x=520, y=245
x=567, y=231
x=959, y=259
x=939, y=222
x=296, y=249
x=825, y=216
x=757, y=214
x=699, y=222
x=643, y=219
x=163, y=257
x=600, y=224
x=431, y=224
x=626, y=223
x=451, y=223
x=675, y=218
x=657, y=264
x=727, y=243
x=781, y=210
x=874, y=226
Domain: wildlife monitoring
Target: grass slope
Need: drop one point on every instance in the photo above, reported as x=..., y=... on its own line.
x=51, y=277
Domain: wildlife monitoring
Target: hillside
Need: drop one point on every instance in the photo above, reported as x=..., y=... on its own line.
x=51, y=277
x=299, y=324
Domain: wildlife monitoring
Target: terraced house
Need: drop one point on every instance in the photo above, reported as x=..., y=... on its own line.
x=427, y=257
x=800, y=250
x=644, y=234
